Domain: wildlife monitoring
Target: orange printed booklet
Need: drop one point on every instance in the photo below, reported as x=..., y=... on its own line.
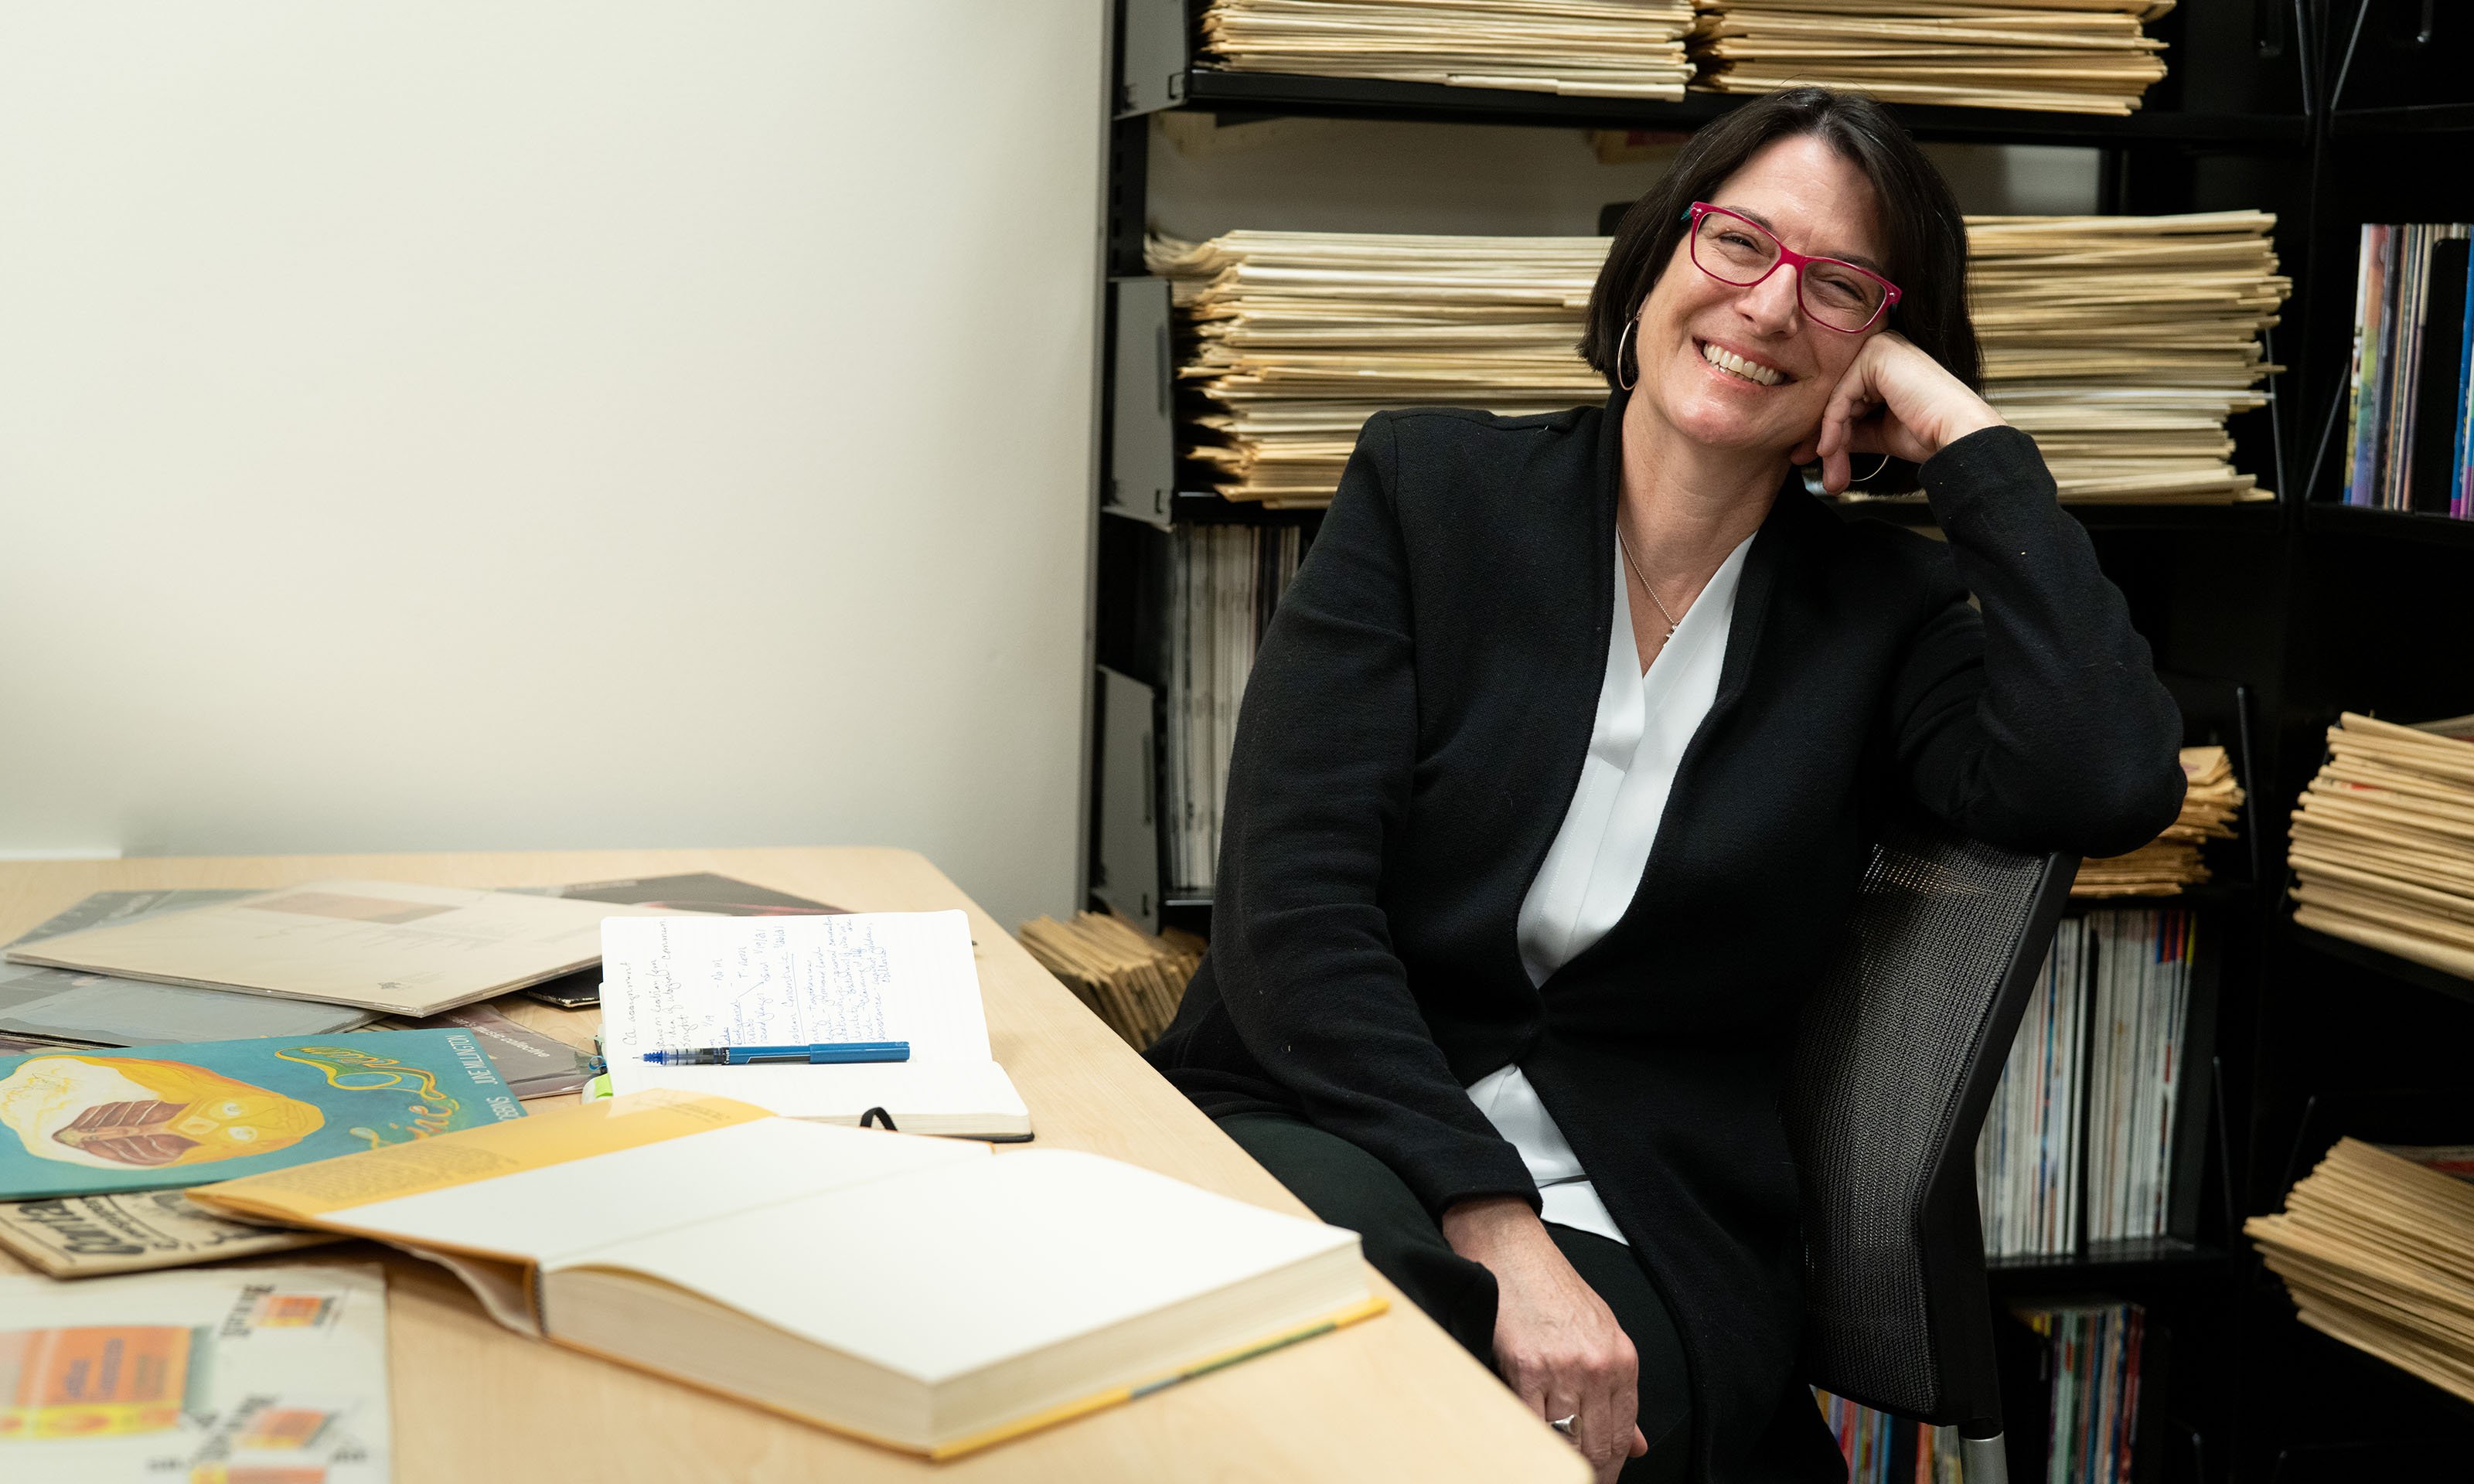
x=922, y=1293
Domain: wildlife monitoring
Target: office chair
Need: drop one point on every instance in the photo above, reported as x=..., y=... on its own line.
x=1894, y=1064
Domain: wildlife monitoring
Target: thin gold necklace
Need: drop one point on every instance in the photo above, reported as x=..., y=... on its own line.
x=1634, y=563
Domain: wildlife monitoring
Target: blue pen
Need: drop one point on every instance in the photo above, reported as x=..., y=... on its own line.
x=823, y=1051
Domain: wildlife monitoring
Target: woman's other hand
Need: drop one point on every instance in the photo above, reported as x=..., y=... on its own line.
x=1894, y=399
x=1556, y=1342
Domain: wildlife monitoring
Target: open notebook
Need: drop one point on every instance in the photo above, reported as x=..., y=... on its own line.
x=926, y=1294
x=682, y=983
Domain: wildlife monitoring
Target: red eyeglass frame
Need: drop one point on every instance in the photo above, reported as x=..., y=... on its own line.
x=1788, y=258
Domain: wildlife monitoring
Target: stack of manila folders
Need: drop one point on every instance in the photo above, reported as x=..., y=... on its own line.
x=2382, y=842
x=1602, y=48
x=1131, y=980
x=2059, y=56
x=2055, y=56
x=2376, y=1248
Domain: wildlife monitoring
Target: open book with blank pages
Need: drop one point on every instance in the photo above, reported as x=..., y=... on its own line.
x=681, y=984
x=929, y=1295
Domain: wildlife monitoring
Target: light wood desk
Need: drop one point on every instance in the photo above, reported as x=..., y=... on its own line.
x=1392, y=1397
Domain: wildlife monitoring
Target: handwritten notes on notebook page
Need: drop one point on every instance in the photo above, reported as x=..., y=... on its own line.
x=693, y=982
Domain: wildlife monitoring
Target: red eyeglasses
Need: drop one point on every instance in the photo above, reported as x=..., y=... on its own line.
x=1739, y=251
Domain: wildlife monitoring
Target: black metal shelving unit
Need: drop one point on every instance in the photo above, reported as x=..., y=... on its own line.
x=2388, y=966
x=2271, y=617
x=2127, y=1263
x=2341, y=522
x=2344, y=1038
x=1323, y=97
x=2427, y=118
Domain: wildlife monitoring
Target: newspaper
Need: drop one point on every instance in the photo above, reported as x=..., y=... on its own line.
x=85, y=1235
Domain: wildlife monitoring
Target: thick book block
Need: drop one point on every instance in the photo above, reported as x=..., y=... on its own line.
x=921, y=1293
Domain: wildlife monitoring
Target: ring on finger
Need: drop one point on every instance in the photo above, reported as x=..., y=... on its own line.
x=1565, y=1424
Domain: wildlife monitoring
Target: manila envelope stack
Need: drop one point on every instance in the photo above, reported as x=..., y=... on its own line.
x=2376, y=1248
x=2383, y=844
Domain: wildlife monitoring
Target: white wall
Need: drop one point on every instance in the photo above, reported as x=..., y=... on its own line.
x=515, y=423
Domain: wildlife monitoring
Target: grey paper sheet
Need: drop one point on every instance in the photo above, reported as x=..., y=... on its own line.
x=100, y=1010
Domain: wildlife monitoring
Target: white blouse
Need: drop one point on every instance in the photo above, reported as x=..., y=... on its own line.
x=1592, y=871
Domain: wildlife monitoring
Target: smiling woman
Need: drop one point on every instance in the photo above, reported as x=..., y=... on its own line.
x=1902, y=206
x=1563, y=755
x=1746, y=341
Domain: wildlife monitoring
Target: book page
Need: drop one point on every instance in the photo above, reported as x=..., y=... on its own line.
x=682, y=983
x=534, y=1190
x=1033, y=1248
x=546, y=1214
x=307, y=1193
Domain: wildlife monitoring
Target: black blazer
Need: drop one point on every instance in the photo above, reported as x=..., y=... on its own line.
x=1409, y=743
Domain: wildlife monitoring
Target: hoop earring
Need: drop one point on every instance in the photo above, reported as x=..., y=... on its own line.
x=1812, y=477
x=1621, y=341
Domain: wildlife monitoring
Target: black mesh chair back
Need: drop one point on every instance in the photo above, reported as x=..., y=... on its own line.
x=1894, y=1066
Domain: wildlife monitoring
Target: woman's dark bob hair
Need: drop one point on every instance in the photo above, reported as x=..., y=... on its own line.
x=1924, y=240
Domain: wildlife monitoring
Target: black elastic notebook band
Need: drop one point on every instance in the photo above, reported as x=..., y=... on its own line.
x=878, y=1119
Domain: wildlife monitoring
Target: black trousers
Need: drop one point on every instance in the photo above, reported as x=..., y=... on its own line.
x=1349, y=1188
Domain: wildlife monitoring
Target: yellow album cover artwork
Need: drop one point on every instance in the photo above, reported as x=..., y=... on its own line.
x=91, y=1122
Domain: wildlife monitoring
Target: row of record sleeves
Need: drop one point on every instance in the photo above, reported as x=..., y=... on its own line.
x=1223, y=581
x=1880, y=1449
x=2409, y=395
x=2078, y=1144
x=2093, y=1357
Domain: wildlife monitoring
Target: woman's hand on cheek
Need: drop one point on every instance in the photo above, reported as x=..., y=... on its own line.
x=1893, y=400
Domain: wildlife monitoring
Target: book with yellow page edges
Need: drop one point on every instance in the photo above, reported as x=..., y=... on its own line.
x=921, y=1293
